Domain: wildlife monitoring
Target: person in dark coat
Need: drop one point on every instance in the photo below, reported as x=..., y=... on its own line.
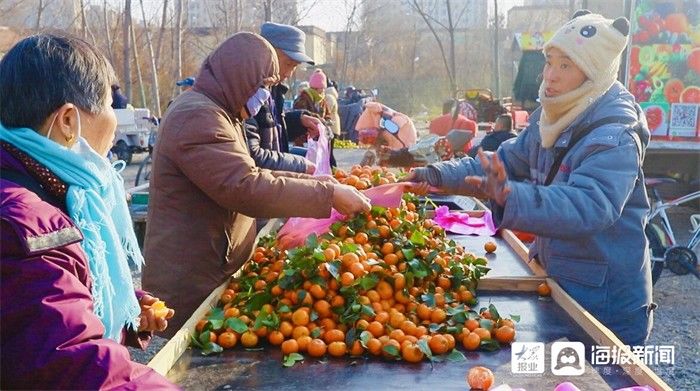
x=119, y=101
x=502, y=131
x=289, y=44
x=68, y=301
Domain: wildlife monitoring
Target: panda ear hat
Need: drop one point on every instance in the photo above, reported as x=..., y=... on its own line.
x=594, y=43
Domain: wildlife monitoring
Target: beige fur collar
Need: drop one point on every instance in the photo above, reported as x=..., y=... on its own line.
x=560, y=111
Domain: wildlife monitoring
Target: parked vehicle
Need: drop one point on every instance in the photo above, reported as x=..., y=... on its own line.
x=134, y=127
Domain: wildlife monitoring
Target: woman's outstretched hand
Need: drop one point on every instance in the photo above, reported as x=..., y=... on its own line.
x=494, y=183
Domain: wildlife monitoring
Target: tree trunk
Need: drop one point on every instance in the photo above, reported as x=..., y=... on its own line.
x=237, y=15
x=177, y=46
x=127, y=49
x=451, y=32
x=139, y=77
x=154, y=70
x=83, y=22
x=38, y=16
x=108, y=35
x=496, y=65
x=450, y=75
x=163, y=23
x=268, y=10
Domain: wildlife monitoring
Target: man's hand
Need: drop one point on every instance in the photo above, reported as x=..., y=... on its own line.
x=311, y=124
x=153, y=317
x=494, y=183
x=310, y=167
x=348, y=200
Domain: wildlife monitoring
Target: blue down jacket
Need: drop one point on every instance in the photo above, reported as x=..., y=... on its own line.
x=590, y=221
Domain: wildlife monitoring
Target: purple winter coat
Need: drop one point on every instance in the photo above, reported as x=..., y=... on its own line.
x=51, y=338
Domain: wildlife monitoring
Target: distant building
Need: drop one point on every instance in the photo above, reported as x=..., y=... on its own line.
x=317, y=44
x=54, y=14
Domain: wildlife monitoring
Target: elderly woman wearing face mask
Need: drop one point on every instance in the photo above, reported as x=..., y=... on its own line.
x=205, y=188
x=67, y=243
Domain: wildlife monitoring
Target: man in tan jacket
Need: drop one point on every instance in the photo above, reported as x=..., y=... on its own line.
x=205, y=189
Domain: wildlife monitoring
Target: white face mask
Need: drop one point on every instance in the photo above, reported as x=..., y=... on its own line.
x=257, y=101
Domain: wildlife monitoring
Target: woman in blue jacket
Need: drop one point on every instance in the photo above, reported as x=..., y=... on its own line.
x=589, y=220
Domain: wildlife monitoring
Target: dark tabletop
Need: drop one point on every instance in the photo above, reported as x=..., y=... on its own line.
x=542, y=320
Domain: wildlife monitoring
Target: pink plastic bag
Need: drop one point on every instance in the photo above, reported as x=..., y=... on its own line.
x=319, y=152
x=295, y=231
x=462, y=223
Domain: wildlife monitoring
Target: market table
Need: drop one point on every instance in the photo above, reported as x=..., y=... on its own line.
x=542, y=321
x=510, y=285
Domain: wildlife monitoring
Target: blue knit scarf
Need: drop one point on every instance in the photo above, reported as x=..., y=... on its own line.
x=96, y=203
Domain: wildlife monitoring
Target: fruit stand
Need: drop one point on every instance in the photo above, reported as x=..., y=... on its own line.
x=663, y=73
x=512, y=286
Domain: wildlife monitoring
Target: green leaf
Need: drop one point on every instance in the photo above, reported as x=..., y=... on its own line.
x=301, y=295
x=365, y=336
x=378, y=210
x=318, y=254
x=494, y=312
x=312, y=241
x=315, y=333
x=391, y=350
x=408, y=253
x=196, y=342
x=417, y=238
x=409, y=278
x=211, y=348
x=515, y=318
x=460, y=317
x=284, y=309
x=368, y=282
x=290, y=360
x=237, y=325
x=486, y=324
x=428, y=299
x=216, y=313
x=368, y=310
x=434, y=327
x=456, y=356
x=334, y=268
x=216, y=324
x=423, y=346
x=490, y=345
x=350, y=336
x=314, y=316
x=205, y=337
x=258, y=300
x=348, y=247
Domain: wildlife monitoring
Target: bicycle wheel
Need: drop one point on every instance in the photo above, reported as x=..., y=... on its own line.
x=657, y=240
x=144, y=173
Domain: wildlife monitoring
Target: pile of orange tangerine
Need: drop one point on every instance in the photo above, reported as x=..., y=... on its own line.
x=386, y=283
x=364, y=177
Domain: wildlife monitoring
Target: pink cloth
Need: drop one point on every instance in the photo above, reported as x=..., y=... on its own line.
x=295, y=231
x=462, y=223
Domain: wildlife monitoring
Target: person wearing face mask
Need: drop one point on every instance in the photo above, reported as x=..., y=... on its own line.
x=574, y=177
x=205, y=188
x=263, y=137
x=68, y=301
x=270, y=129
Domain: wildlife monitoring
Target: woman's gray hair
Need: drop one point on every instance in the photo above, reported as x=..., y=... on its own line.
x=45, y=71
